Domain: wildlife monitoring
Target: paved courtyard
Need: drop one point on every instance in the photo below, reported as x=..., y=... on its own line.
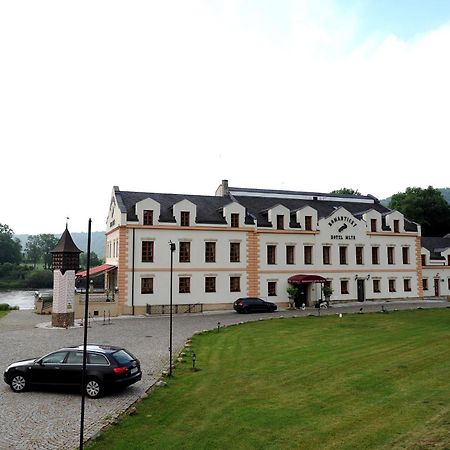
x=51, y=420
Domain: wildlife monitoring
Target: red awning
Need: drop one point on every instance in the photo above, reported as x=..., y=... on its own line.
x=95, y=271
x=300, y=279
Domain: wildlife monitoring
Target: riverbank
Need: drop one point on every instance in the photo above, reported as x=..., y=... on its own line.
x=24, y=298
x=22, y=276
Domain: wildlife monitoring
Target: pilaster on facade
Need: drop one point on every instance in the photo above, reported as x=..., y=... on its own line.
x=253, y=286
x=419, y=266
x=122, y=275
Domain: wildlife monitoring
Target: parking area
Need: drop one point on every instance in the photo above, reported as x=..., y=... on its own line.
x=51, y=420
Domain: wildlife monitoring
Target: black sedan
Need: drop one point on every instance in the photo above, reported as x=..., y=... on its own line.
x=253, y=304
x=106, y=367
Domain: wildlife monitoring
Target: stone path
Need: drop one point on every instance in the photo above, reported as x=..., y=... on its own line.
x=49, y=420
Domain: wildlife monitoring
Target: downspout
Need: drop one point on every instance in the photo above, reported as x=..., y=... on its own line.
x=132, y=274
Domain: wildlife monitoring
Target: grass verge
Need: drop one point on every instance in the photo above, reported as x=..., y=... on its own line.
x=365, y=381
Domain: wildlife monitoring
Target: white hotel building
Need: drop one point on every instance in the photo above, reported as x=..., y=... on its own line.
x=249, y=242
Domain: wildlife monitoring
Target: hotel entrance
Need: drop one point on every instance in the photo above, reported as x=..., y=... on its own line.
x=304, y=292
x=302, y=296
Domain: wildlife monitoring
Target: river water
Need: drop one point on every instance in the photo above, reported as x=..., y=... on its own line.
x=22, y=299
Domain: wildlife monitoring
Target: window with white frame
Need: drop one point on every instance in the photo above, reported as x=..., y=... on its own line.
x=272, y=288
x=147, y=285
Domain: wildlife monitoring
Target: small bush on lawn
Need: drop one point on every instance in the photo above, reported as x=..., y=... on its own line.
x=6, y=307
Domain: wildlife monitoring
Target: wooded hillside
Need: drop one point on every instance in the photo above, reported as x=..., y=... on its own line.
x=98, y=241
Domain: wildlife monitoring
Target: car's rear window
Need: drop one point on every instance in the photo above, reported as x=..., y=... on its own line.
x=123, y=357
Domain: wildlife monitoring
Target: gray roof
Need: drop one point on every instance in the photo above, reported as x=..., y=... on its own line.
x=436, y=245
x=209, y=208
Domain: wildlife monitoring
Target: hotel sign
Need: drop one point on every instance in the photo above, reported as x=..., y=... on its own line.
x=345, y=223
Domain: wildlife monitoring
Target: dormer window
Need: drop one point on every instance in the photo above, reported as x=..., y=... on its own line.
x=234, y=220
x=373, y=225
x=396, y=226
x=148, y=217
x=280, y=222
x=184, y=218
x=308, y=223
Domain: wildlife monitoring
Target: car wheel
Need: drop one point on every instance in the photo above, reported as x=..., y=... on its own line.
x=94, y=388
x=18, y=382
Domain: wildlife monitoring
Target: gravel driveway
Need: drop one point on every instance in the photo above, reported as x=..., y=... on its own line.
x=51, y=420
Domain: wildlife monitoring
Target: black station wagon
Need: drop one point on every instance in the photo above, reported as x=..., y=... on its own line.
x=106, y=367
x=253, y=304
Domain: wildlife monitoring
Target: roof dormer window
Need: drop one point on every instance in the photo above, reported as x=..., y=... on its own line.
x=373, y=225
x=396, y=226
x=234, y=220
x=308, y=223
x=280, y=222
x=148, y=217
x=184, y=218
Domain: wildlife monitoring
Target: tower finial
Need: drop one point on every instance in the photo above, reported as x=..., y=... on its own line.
x=67, y=222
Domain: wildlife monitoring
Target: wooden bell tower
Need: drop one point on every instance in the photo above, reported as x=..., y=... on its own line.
x=66, y=262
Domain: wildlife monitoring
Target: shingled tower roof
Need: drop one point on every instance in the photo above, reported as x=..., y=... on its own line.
x=66, y=244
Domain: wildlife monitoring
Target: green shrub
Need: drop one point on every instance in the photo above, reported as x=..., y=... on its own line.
x=40, y=279
x=13, y=276
x=5, y=307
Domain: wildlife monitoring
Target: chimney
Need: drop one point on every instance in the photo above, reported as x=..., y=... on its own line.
x=223, y=190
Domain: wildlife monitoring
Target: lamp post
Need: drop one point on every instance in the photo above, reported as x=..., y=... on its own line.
x=85, y=320
x=172, y=249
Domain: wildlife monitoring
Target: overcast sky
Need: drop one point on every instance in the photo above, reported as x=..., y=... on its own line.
x=174, y=96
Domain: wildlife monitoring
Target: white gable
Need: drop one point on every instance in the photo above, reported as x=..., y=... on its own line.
x=148, y=204
x=372, y=215
x=234, y=208
x=185, y=205
x=396, y=216
x=279, y=210
x=342, y=225
x=304, y=212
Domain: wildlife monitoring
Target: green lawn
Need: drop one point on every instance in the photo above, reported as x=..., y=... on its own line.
x=3, y=313
x=362, y=381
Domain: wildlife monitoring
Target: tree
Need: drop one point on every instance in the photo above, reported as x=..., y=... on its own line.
x=346, y=191
x=95, y=260
x=10, y=248
x=38, y=248
x=47, y=243
x=427, y=207
x=33, y=250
